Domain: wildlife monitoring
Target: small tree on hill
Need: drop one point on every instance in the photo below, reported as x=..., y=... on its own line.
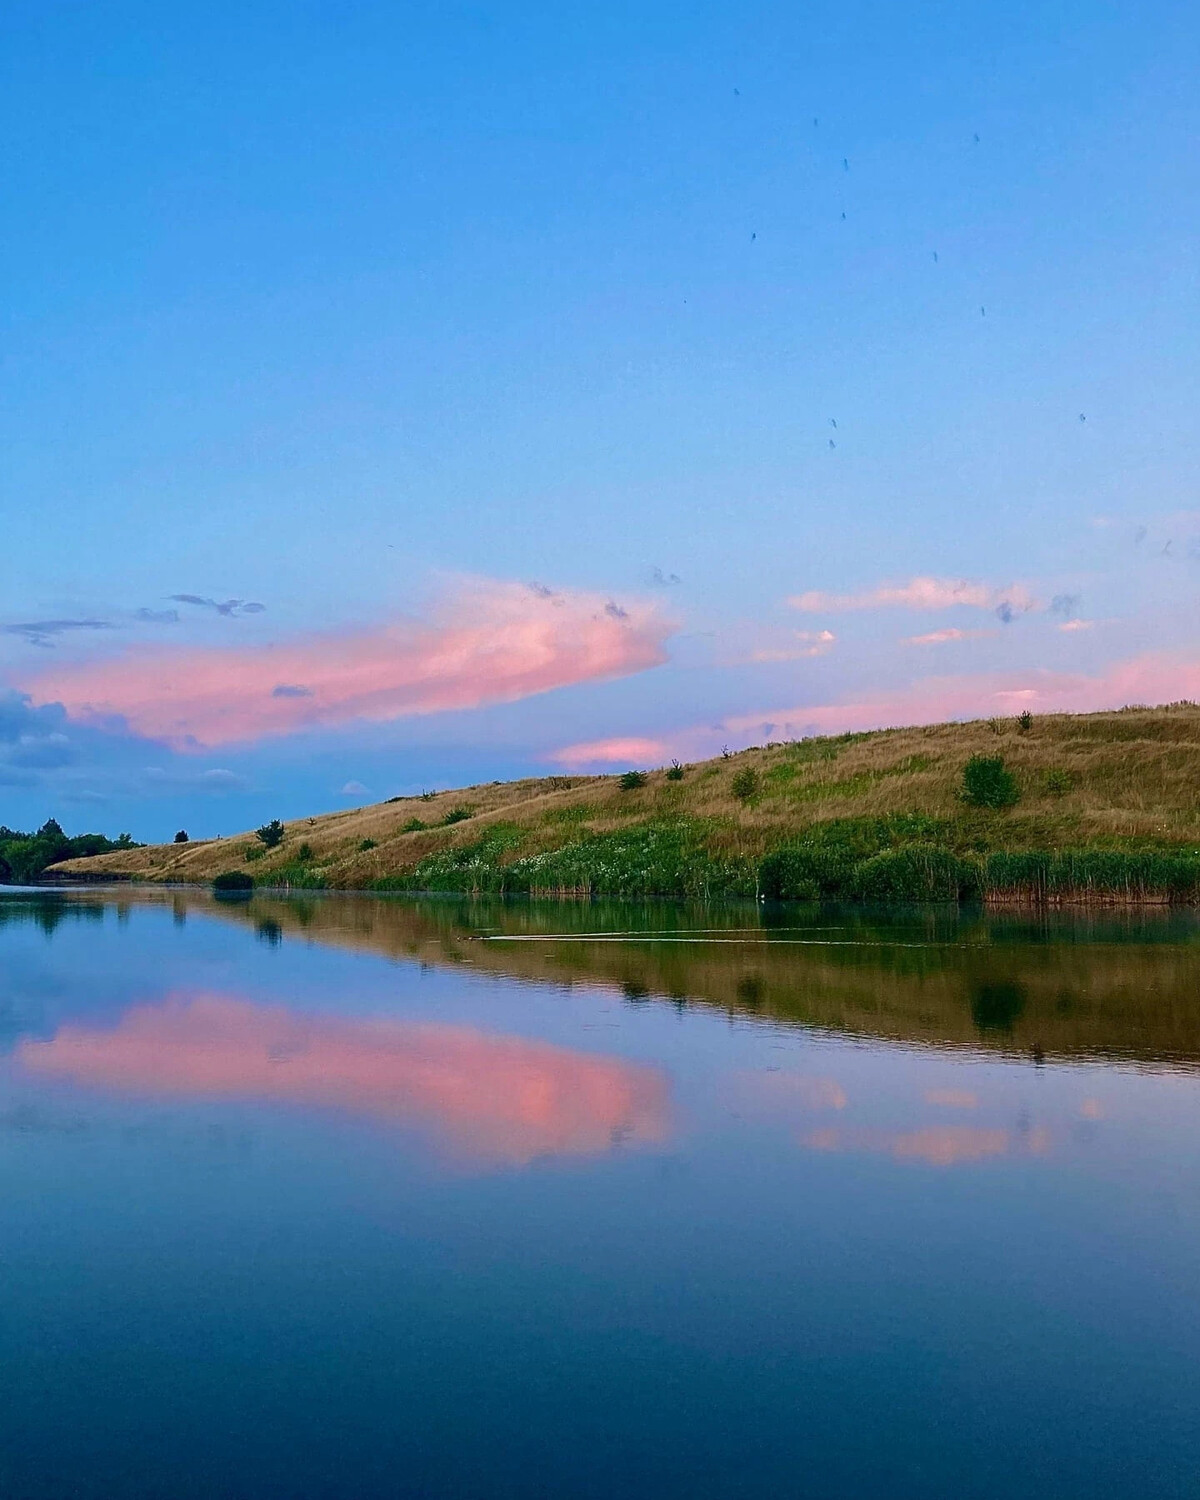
x=270, y=833
x=181, y=837
x=744, y=785
x=987, y=782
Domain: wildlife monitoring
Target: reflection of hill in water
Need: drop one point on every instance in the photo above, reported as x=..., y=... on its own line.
x=1115, y=984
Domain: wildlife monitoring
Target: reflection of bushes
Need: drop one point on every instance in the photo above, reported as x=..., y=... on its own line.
x=997, y=1005
x=750, y=991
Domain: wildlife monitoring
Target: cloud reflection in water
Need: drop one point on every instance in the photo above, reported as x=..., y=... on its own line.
x=488, y=1098
x=932, y=1145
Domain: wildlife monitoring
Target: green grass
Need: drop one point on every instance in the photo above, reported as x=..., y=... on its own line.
x=669, y=859
x=909, y=857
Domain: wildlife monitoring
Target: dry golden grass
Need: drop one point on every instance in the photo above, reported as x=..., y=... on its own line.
x=1132, y=776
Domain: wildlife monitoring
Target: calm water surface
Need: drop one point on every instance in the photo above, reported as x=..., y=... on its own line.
x=354, y=1197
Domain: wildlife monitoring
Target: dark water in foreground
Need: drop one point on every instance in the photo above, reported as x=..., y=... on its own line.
x=352, y=1197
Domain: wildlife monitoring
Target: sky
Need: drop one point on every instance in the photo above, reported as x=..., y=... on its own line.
x=395, y=397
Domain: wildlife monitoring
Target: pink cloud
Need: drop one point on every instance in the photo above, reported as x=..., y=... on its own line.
x=627, y=752
x=918, y=593
x=491, y=643
x=1154, y=678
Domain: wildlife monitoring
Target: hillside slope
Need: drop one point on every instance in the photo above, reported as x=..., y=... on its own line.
x=1126, y=782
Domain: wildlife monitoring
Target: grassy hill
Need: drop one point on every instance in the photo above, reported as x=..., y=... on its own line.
x=1108, y=808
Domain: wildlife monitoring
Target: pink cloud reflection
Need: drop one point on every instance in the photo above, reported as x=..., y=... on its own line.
x=488, y=1098
x=930, y=1145
x=494, y=643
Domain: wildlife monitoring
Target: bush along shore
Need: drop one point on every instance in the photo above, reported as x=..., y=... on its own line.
x=1094, y=808
x=885, y=860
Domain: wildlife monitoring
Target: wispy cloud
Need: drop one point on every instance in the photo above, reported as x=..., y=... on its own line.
x=807, y=643
x=217, y=779
x=942, y=637
x=157, y=616
x=491, y=642
x=43, y=632
x=628, y=751
x=227, y=607
x=920, y=593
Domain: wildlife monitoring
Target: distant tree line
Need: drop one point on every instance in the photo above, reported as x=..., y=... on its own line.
x=24, y=857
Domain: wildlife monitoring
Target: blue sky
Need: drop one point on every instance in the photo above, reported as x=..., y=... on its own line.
x=376, y=315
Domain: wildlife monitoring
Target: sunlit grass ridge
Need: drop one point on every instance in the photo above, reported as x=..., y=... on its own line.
x=1108, y=806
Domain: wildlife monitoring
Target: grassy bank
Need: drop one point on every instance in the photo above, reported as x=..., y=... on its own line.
x=1093, y=808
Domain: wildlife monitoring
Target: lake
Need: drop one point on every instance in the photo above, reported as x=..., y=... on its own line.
x=352, y=1196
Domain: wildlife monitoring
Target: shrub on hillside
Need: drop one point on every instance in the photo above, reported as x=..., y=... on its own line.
x=365, y=845
x=987, y=782
x=456, y=815
x=414, y=825
x=632, y=780
x=674, y=771
x=1057, y=782
x=270, y=834
x=744, y=785
x=181, y=837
